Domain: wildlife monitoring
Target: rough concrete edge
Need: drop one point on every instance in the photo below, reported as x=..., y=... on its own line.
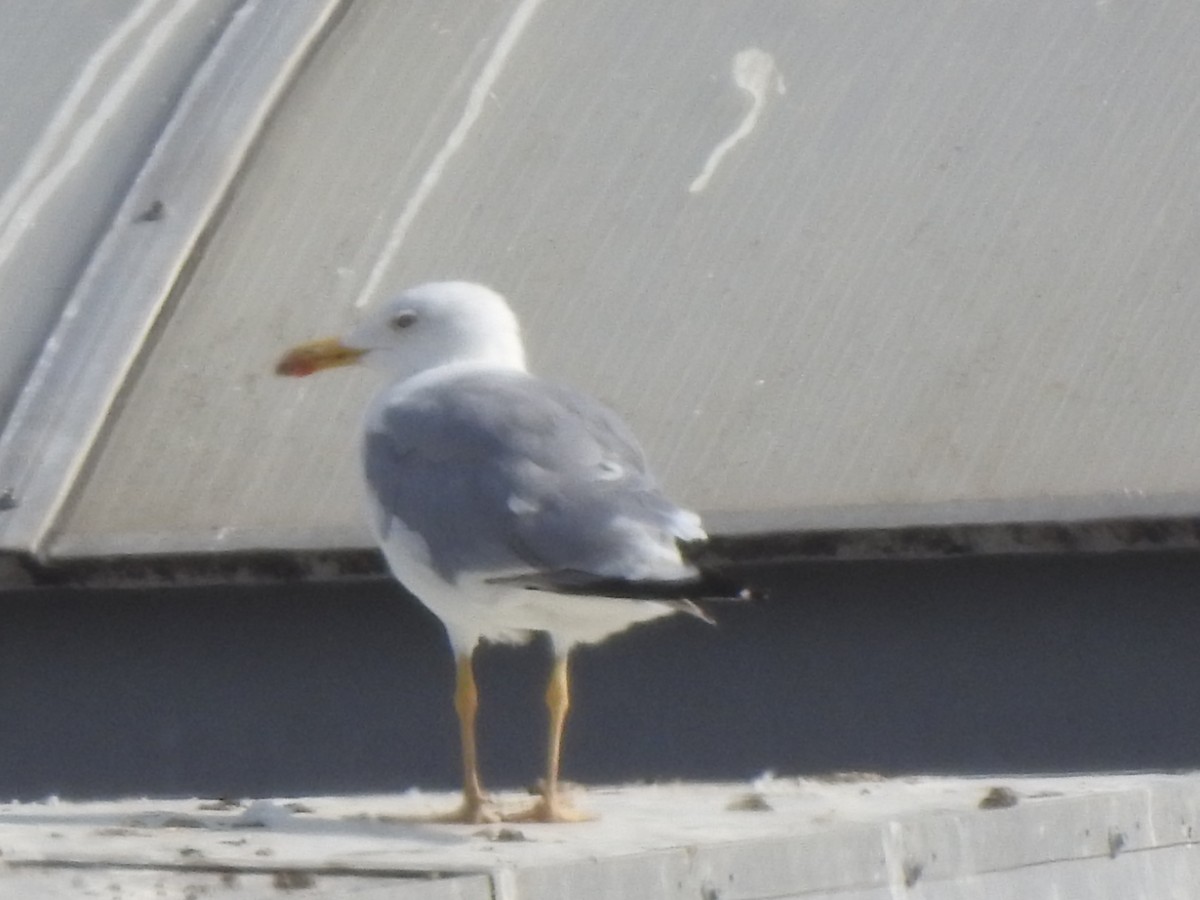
x=896, y=855
x=198, y=879
x=1030, y=829
x=1016, y=537
x=329, y=556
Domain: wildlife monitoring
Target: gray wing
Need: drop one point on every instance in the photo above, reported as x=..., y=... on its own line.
x=506, y=472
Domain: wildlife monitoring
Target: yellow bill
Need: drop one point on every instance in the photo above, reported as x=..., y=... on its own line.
x=327, y=353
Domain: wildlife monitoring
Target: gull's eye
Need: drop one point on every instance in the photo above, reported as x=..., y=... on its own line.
x=403, y=320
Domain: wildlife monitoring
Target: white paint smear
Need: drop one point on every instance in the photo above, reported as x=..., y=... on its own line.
x=475, y=100
x=755, y=73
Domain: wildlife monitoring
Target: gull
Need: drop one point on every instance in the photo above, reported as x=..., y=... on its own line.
x=507, y=504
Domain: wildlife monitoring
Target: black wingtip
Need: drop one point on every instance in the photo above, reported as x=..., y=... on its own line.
x=720, y=587
x=707, y=586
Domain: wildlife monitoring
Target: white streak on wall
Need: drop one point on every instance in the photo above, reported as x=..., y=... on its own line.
x=755, y=73
x=475, y=100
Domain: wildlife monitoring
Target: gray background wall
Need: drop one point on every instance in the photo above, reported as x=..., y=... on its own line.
x=1021, y=664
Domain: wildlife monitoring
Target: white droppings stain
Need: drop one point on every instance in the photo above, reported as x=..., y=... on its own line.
x=481, y=91
x=754, y=71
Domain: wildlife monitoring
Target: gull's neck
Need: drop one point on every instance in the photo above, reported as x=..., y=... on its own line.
x=459, y=367
x=497, y=351
x=510, y=359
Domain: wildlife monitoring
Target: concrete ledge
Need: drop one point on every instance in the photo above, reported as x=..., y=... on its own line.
x=854, y=837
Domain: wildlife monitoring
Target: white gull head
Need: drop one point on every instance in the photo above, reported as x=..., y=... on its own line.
x=436, y=324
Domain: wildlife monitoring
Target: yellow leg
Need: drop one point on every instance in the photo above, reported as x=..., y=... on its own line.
x=475, y=807
x=558, y=701
x=552, y=807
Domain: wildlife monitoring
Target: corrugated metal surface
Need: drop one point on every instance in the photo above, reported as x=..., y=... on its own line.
x=838, y=264
x=84, y=91
x=140, y=258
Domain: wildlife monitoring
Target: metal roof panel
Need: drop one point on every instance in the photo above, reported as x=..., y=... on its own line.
x=835, y=263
